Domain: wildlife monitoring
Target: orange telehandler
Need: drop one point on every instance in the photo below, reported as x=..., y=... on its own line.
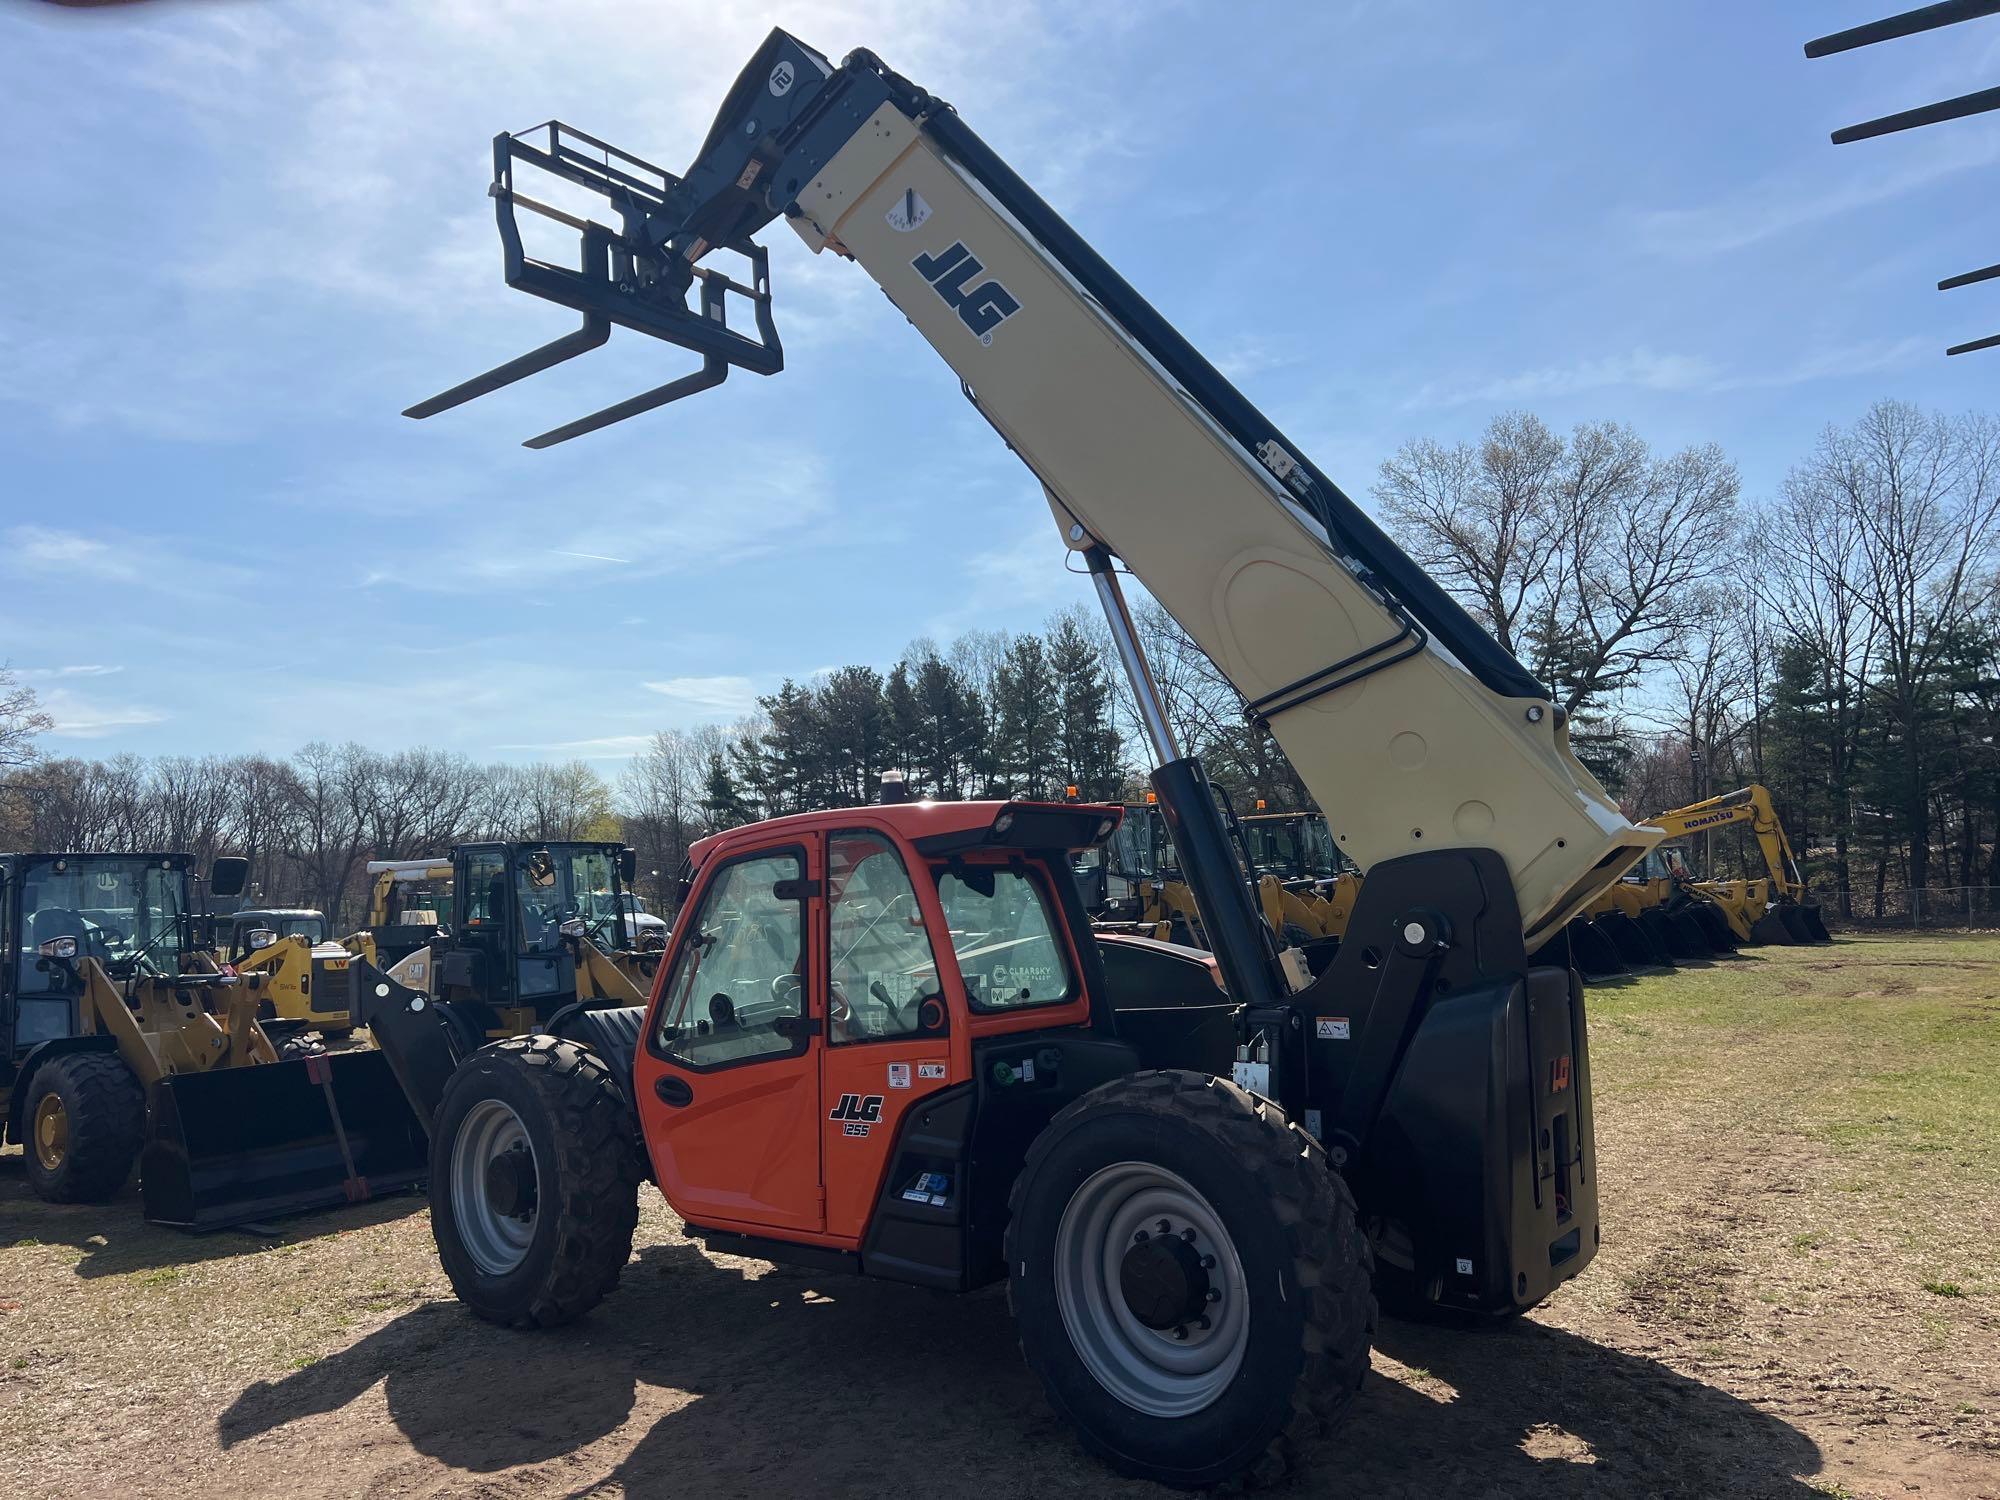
x=886, y=1041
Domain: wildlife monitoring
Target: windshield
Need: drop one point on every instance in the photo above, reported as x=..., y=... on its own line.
x=1006, y=944
x=558, y=883
x=124, y=912
x=1321, y=858
x=1129, y=851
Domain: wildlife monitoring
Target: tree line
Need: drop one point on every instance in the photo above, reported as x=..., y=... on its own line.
x=1838, y=641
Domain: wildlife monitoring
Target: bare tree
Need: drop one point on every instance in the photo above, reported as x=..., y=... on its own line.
x=659, y=798
x=1920, y=495
x=1484, y=521
x=21, y=719
x=1579, y=555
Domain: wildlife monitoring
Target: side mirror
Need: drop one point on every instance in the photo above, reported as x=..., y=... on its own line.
x=58, y=947
x=258, y=938
x=541, y=868
x=228, y=876
x=628, y=866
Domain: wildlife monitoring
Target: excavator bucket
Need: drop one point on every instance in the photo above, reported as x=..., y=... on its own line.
x=1815, y=922
x=234, y=1145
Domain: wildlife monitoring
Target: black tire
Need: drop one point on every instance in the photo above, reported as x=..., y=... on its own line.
x=104, y=1108
x=1291, y=1223
x=586, y=1173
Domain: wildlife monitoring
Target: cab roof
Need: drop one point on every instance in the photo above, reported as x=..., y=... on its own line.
x=939, y=828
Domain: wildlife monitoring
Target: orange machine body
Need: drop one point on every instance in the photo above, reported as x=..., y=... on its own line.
x=795, y=1146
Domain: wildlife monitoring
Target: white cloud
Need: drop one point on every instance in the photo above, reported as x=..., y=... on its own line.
x=726, y=695
x=1839, y=184
x=1644, y=369
x=1640, y=368
x=82, y=718
x=601, y=747
x=92, y=669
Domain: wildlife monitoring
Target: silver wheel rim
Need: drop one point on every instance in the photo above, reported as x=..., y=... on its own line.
x=1150, y=1370
x=496, y=1240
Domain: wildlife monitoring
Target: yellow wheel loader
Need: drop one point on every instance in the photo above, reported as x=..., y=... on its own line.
x=122, y=1040
x=307, y=980
x=533, y=930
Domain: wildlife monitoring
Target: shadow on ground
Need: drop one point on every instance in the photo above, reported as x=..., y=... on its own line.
x=794, y=1382
x=113, y=1238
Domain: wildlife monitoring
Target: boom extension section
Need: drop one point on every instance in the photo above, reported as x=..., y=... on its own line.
x=1396, y=707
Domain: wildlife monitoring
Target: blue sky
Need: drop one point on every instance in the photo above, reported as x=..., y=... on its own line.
x=239, y=237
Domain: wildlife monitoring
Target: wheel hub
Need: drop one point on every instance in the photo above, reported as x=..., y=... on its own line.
x=51, y=1132
x=493, y=1186
x=1163, y=1281
x=1151, y=1289
x=510, y=1182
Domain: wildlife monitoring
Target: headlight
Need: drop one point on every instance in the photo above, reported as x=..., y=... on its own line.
x=260, y=937
x=60, y=947
x=572, y=928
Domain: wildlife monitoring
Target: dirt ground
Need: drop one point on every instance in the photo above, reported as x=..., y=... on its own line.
x=1798, y=1294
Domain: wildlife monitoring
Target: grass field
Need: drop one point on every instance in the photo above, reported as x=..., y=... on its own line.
x=1798, y=1294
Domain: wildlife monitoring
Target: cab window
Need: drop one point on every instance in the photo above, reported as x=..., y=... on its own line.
x=1005, y=938
x=485, y=888
x=736, y=994
x=882, y=965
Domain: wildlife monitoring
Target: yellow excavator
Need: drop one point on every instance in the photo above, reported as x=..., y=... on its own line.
x=1775, y=909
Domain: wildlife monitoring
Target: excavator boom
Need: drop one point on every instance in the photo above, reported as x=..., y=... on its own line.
x=1403, y=717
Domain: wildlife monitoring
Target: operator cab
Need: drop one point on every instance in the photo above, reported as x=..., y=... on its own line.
x=867, y=966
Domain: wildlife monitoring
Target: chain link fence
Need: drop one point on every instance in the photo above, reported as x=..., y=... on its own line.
x=1968, y=907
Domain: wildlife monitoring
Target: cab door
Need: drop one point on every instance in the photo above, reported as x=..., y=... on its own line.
x=728, y=1084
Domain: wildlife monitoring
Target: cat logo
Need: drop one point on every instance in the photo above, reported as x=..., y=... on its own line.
x=982, y=308
x=856, y=1113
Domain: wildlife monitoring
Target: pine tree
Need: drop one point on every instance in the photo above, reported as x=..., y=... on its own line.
x=1029, y=715
x=722, y=801
x=1087, y=745
x=852, y=720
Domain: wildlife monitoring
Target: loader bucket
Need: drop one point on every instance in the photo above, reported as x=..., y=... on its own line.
x=1772, y=928
x=1715, y=927
x=239, y=1144
x=1798, y=924
x=1669, y=938
x=1815, y=922
x=1587, y=950
x=1632, y=941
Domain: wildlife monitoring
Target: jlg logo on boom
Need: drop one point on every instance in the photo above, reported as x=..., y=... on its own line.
x=985, y=306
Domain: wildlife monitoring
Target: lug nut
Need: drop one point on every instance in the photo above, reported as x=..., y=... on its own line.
x=1201, y=1322
x=1214, y=1295
x=1166, y=1226
x=1141, y=1237
x=1208, y=1262
x=1180, y=1330
x=1188, y=1235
